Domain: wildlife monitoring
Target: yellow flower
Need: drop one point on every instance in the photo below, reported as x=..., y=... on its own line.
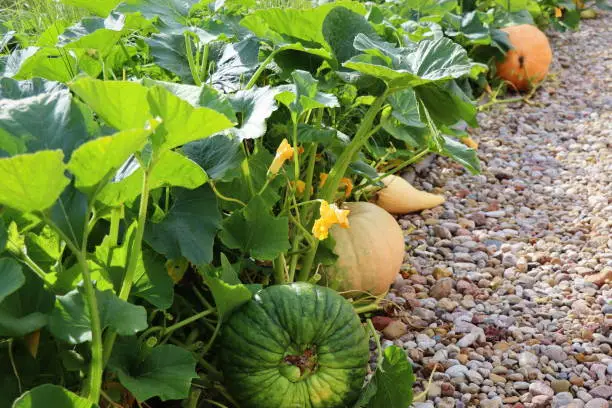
x=558, y=12
x=283, y=153
x=330, y=215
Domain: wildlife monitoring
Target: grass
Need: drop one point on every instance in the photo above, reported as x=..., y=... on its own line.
x=300, y=4
x=32, y=17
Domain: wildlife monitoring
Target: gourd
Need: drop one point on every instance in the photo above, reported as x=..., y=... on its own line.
x=297, y=345
x=370, y=252
x=527, y=63
x=400, y=197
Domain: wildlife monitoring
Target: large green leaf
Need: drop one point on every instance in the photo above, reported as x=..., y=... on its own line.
x=13, y=89
x=54, y=64
x=198, y=96
x=391, y=385
x=32, y=182
x=340, y=28
x=254, y=230
x=71, y=321
x=182, y=123
x=26, y=309
x=286, y=25
x=171, y=169
x=44, y=247
x=218, y=155
x=121, y=104
x=447, y=103
x=255, y=106
x=37, y=115
x=164, y=371
x=189, y=227
x=430, y=61
x=95, y=33
x=11, y=277
x=49, y=395
x=70, y=213
x=3, y=235
x=96, y=160
x=98, y=7
x=151, y=280
x=173, y=13
x=169, y=52
x=303, y=95
x=462, y=154
x=226, y=288
x=236, y=65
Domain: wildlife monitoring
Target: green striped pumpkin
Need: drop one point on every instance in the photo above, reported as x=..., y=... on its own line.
x=295, y=346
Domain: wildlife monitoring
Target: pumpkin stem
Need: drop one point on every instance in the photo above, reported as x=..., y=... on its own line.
x=521, y=60
x=307, y=362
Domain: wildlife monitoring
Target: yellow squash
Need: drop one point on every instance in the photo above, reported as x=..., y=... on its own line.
x=399, y=197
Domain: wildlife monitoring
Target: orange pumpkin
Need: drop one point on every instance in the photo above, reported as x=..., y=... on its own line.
x=528, y=62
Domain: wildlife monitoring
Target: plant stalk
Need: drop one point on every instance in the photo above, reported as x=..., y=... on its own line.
x=134, y=254
x=328, y=191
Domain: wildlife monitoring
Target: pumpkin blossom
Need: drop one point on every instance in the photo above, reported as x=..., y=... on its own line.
x=330, y=215
x=283, y=153
x=558, y=12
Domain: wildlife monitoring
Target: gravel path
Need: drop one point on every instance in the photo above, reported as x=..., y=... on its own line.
x=505, y=285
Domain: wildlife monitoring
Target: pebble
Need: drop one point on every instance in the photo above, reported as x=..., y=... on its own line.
x=506, y=285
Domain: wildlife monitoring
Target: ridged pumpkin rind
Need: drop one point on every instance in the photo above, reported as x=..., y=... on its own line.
x=284, y=320
x=370, y=252
x=528, y=62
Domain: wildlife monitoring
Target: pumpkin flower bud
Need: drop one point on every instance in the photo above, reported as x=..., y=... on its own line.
x=283, y=153
x=330, y=215
x=300, y=186
x=344, y=181
x=348, y=186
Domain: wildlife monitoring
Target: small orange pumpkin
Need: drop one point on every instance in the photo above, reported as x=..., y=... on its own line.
x=528, y=62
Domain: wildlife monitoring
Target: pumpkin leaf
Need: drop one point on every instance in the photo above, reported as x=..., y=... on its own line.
x=303, y=95
x=391, y=385
x=181, y=122
x=49, y=395
x=169, y=52
x=218, y=155
x=286, y=25
x=96, y=160
x=198, y=96
x=69, y=213
x=401, y=68
x=236, y=65
x=255, y=106
x=26, y=309
x=151, y=280
x=340, y=28
x=462, y=154
x=32, y=182
x=172, y=13
x=11, y=277
x=164, y=371
x=37, y=115
x=189, y=227
x=121, y=104
x=226, y=288
x=254, y=230
x=70, y=320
